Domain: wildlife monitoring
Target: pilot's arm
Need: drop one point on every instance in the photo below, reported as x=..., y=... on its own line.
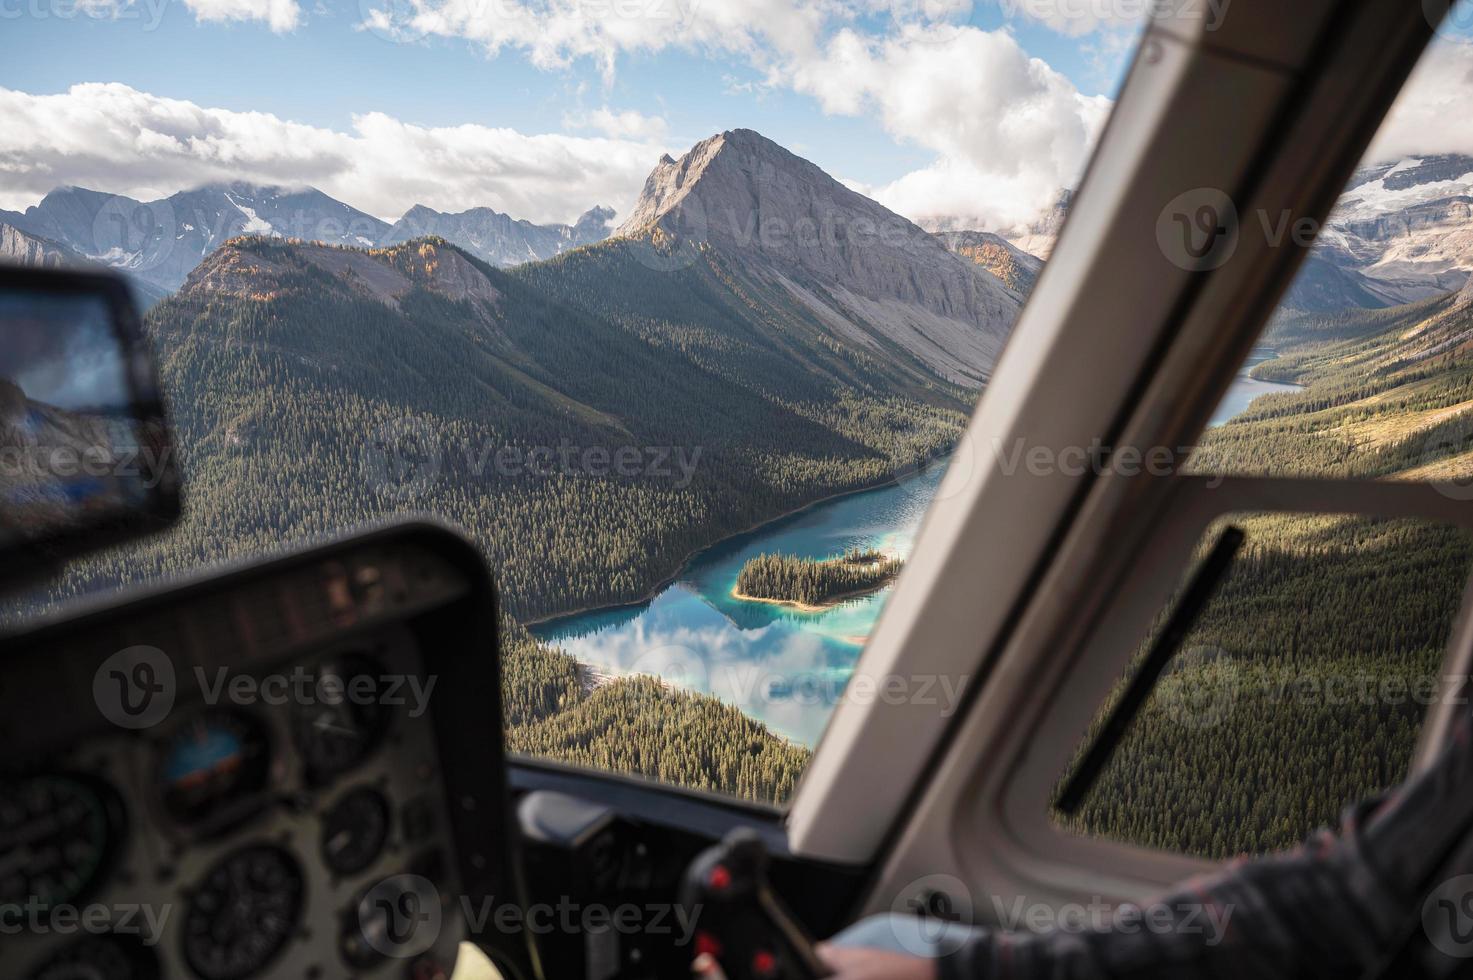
x=1334, y=907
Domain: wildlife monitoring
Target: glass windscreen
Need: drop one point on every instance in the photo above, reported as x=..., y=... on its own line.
x=677, y=309
x=1364, y=369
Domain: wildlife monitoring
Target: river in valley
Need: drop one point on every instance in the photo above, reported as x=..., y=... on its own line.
x=781, y=666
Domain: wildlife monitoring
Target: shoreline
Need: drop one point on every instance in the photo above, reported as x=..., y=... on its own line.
x=673, y=577
x=809, y=608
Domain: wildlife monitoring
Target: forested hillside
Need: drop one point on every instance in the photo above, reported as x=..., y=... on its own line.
x=808, y=582
x=1303, y=686
x=317, y=388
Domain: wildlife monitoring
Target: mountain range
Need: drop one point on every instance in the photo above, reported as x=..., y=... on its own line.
x=791, y=368
x=158, y=243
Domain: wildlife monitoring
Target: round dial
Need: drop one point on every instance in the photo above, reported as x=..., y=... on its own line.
x=104, y=957
x=213, y=766
x=243, y=913
x=343, y=721
x=57, y=836
x=355, y=830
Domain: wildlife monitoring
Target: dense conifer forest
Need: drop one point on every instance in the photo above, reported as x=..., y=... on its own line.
x=815, y=582
x=589, y=422
x=1303, y=686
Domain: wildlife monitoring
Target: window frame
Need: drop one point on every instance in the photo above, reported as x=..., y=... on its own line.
x=1015, y=800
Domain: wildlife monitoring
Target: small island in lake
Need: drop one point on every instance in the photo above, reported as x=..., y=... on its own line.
x=812, y=584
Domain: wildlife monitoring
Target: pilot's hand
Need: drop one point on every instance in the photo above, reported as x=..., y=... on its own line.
x=849, y=963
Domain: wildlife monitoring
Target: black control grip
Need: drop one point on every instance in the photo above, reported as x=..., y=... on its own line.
x=740, y=920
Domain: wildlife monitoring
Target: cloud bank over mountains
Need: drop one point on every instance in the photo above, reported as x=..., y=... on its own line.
x=1003, y=130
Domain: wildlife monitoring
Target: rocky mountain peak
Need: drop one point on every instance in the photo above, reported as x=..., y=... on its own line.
x=784, y=219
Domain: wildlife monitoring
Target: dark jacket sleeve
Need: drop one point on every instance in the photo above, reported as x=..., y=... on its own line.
x=1334, y=907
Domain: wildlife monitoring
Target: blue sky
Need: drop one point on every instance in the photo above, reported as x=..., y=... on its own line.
x=968, y=113
x=971, y=111
x=150, y=96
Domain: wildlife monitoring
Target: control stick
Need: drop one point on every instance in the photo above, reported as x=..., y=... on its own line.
x=743, y=924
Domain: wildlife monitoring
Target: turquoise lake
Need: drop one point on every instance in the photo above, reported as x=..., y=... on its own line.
x=781, y=666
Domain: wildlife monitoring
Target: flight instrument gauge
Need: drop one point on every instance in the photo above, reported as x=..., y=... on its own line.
x=243, y=913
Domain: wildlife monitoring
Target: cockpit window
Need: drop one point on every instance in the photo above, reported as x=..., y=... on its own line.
x=1306, y=681
x=677, y=309
x=1364, y=371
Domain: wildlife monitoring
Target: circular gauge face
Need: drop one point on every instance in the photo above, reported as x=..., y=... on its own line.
x=355, y=830
x=106, y=957
x=214, y=767
x=243, y=913
x=58, y=833
x=344, y=719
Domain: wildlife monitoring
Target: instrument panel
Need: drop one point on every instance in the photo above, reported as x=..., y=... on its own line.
x=248, y=780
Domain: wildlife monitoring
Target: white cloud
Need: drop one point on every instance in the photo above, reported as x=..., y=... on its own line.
x=1009, y=132
x=554, y=33
x=280, y=15
x=114, y=138
x=611, y=122
x=1431, y=114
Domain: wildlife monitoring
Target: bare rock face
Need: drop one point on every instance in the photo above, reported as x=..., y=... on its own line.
x=1017, y=269
x=19, y=248
x=781, y=216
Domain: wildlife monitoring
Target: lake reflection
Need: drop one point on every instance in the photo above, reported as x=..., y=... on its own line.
x=780, y=666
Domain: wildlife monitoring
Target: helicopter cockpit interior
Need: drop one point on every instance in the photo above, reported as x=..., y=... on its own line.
x=692, y=594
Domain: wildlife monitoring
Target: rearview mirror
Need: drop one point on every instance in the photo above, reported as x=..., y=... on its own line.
x=86, y=459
